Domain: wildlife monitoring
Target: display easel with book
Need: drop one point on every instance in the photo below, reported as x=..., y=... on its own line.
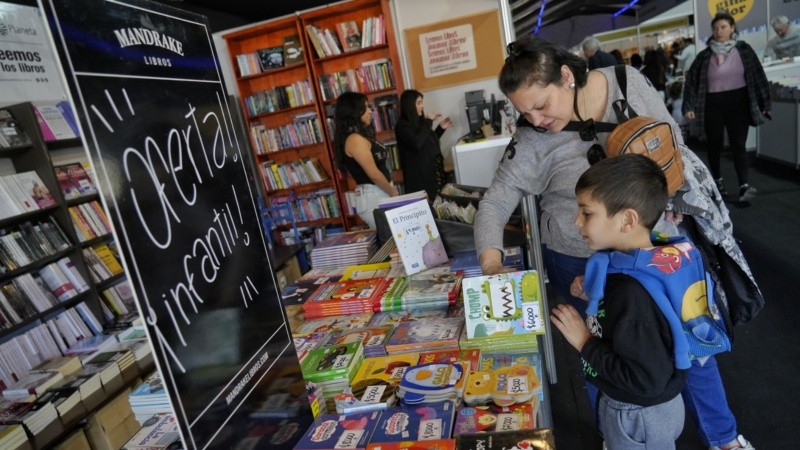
x=52, y=319
x=348, y=46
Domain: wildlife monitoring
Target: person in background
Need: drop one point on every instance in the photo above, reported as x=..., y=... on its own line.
x=596, y=57
x=655, y=71
x=687, y=55
x=558, y=97
x=636, y=61
x=787, y=42
x=675, y=105
x=627, y=341
x=726, y=89
x=617, y=55
x=418, y=143
x=357, y=152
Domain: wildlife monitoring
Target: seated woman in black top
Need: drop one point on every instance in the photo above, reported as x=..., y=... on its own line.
x=357, y=151
x=420, y=155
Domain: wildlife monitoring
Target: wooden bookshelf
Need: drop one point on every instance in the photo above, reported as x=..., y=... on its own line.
x=272, y=34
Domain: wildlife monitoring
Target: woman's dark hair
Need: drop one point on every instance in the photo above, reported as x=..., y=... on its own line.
x=532, y=60
x=636, y=60
x=618, y=55
x=408, y=108
x=723, y=15
x=350, y=106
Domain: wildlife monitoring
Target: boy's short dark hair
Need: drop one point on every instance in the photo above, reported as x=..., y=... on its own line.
x=627, y=181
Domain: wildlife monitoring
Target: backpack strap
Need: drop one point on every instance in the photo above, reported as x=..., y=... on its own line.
x=621, y=106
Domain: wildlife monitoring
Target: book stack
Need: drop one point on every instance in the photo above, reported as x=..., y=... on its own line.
x=91, y=345
x=89, y=220
x=160, y=431
x=472, y=357
x=123, y=358
x=432, y=289
x=397, y=317
x=330, y=431
x=334, y=323
x=67, y=400
x=118, y=298
x=344, y=297
x=344, y=249
x=482, y=419
x=385, y=369
x=503, y=311
x=13, y=436
x=468, y=262
x=149, y=398
x=431, y=421
x=34, y=416
x=539, y=439
x=373, y=339
x=88, y=385
x=74, y=180
x=26, y=242
x=431, y=334
x=333, y=367
x=65, y=365
x=102, y=262
x=31, y=385
x=109, y=373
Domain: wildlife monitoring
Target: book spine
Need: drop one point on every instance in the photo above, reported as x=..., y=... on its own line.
x=72, y=274
x=57, y=282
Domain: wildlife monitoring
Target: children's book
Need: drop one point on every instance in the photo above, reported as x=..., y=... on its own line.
x=270, y=58
x=536, y=439
x=482, y=419
x=388, y=368
x=334, y=323
x=503, y=304
x=349, y=35
x=437, y=284
x=417, y=238
x=432, y=334
x=437, y=444
x=332, y=362
x=362, y=271
x=373, y=339
x=292, y=50
x=344, y=297
x=338, y=431
x=426, y=422
x=504, y=386
x=365, y=395
x=408, y=315
x=425, y=383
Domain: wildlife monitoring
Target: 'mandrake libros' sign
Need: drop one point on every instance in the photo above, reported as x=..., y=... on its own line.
x=145, y=80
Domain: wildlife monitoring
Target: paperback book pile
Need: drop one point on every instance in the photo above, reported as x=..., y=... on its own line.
x=123, y=358
x=372, y=339
x=431, y=421
x=345, y=249
x=304, y=343
x=13, y=436
x=433, y=382
x=91, y=345
x=431, y=289
x=431, y=334
x=334, y=323
x=88, y=384
x=385, y=369
x=332, y=368
x=108, y=372
x=149, y=398
x=34, y=416
x=335, y=431
x=31, y=385
x=344, y=297
x=468, y=262
x=67, y=401
x=160, y=431
x=397, y=317
x=65, y=365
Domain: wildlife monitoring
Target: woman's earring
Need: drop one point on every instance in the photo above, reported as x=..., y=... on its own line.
x=572, y=85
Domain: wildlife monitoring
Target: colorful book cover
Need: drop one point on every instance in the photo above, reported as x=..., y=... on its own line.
x=68, y=187
x=397, y=317
x=425, y=383
x=335, y=431
x=503, y=304
x=367, y=336
x=363, y=271
x=436, y=444
x=417, y=238
x=482, y=419
x=292, y=50
x=53, y=124
x=331, y=362
x=11, y=132
x=388, y=368
x=334, y=323
x=538, y=439
x=32, y=184
x=157, y=432
x=439, y=283
x=329, y=293
x=432, y=333
x=270, y=58
x=427, y=422
x=472, y=356
x=80, y=178
x=349, y=35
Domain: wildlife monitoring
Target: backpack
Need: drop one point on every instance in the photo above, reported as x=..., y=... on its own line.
x=646, y=136
x=675, y=277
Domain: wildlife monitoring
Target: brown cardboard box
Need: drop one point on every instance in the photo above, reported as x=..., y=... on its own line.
x=112, y=425
x=75, y=441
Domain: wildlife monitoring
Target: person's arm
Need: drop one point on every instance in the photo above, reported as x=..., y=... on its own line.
x=690, y=88
x=769, y=51
x=360, y=149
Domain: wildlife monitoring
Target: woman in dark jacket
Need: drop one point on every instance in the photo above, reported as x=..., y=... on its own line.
x=726, y=89
x=418, y=143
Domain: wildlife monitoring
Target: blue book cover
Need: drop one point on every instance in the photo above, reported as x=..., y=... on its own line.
x=69, y=116
x=421, y=422
x=340, y=431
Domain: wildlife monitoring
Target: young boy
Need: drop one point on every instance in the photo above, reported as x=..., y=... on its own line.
x=632, y=344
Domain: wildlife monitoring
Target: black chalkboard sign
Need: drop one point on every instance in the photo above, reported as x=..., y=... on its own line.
x=155, y=117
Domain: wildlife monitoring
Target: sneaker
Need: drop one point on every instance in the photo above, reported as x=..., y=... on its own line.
x=746, y=192
x=744, y=444
x=721, y=187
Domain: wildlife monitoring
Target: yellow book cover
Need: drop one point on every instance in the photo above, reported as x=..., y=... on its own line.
x=363, y=271
x=108, y=258
x=388, y=368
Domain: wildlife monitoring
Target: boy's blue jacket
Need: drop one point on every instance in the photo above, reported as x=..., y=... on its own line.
x=674, y=275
